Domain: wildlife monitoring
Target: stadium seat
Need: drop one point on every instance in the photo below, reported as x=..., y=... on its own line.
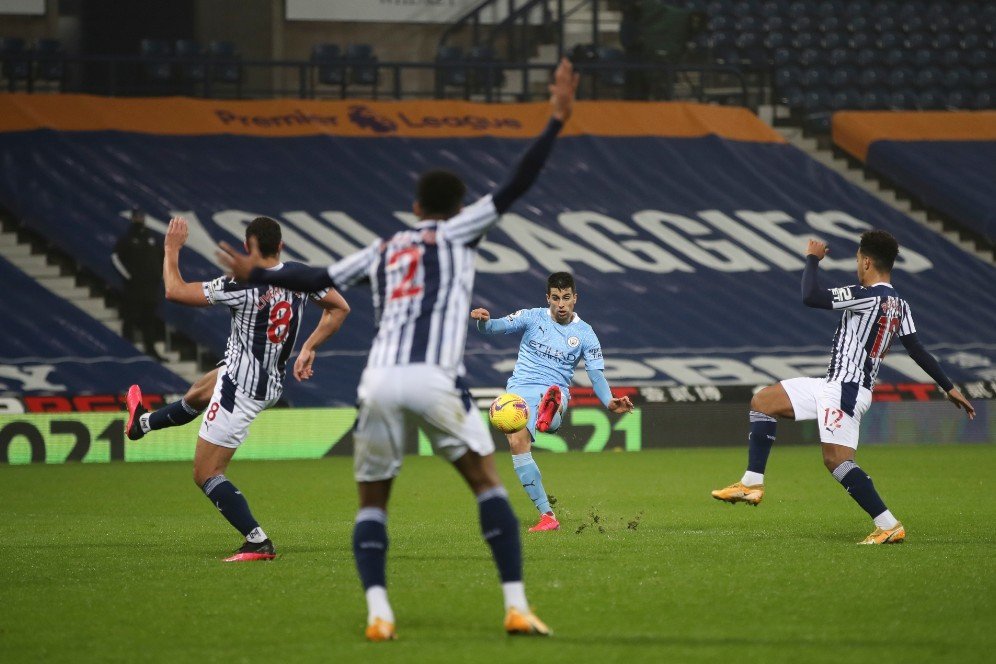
x=980, y=57
x=816, y=100
x=888, y=40
x=810, y=57
x=782, y=57
x=774, y=40
x=957, y=78
x=984, y=100
x=885, y=25
x=793, y=97
x=747, y=24
x=774, y=24
x=193, y=68
x=894, y=57
x=982, y=79
x=814, y=77
x=228, y=69
x=944, y=40
x=804, y=40
x=154, y=53
x=840, y=57
x=950, y=57
x=484, y=75
x=929, y=100
x=902, y=100
x=923, y=57
x=858, y=24
x=860, y=40
x=328, y=60
x=866, y=57
x=939, y=23
x=957, y=99
x=786, y=77
x=362, y=64
x=832, y=40
x=873, y=100
x=928, y=78
x=917, y=40
x=911, y=24
x=50, y=60
x=871, y=78
x=612, y=76
x=843, y=77
x=901, y=77
x=845, y=99
x=452, y=75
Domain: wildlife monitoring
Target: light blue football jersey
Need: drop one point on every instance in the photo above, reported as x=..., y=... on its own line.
x=549, y=352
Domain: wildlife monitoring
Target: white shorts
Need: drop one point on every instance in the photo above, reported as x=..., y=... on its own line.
x=837, y=406
x=393, y=401
x=229, y=414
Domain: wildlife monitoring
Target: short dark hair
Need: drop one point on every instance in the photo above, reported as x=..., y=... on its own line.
x=881, y=248
x=440, y=194
x=561, y=280
x=267, y=234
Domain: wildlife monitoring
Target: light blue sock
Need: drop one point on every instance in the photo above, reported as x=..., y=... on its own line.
x=557, y=420
x=532, y=480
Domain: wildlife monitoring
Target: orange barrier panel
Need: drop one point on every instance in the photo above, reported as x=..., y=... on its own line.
x=854, y=131
x=423, y=119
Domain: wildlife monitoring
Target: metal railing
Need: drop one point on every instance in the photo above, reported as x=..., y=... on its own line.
x=303, y=79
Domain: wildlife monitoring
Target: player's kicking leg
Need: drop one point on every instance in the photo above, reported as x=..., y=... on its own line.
x=501, y=531
x=177, y=413
x=210, y=462
x=770, y=403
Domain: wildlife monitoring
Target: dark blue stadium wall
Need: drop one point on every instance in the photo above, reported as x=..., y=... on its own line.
x=687, y=248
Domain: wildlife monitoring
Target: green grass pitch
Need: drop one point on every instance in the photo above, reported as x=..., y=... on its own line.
x=121, y=563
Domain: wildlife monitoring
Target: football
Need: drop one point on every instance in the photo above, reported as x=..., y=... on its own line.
x=509, y=413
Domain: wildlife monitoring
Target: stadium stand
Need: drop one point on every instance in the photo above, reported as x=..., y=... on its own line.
x=712, y=196
x=65, y=350
x=946, y=161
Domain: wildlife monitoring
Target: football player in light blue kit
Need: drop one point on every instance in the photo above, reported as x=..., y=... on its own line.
x=554, y=340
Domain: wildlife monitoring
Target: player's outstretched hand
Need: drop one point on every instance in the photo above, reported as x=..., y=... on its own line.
x=480, y=314
x=303, y=369
x=620, y=405
x=958, y=399
x=236, y=263
x=176, y=234
x=817, y=248
x=563, y=90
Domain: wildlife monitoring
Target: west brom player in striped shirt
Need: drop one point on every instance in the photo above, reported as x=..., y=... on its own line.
x=422, y=281
x=554, y=339
x=873, y=315
x=265, y=322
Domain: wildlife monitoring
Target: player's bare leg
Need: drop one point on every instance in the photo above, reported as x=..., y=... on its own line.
x=766, y=407
x=521, y=444
x=210, y=463
x=178, y=413
x=839, y=460
x=501, y=531
x=370, y=552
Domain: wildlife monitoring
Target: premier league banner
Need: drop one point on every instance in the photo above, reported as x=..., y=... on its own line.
x=684, y=225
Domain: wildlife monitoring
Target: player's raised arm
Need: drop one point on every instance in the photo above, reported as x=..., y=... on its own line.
x=335, y=309
x=514, y=322
x=303, y=279
x=178, y=290
x=812, y=294
x=562, y=92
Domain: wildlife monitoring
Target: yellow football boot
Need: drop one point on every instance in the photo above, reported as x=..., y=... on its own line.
x=893, y=535
x=525, y=623
x=740, y=493
x=380, y=630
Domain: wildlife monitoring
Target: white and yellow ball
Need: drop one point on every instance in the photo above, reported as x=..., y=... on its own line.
x=509, y=413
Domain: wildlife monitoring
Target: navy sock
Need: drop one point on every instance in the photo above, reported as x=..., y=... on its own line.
x=859, y=486
x=761, y=438
x=370, y=546
x=501, y=531
x=231, y=503
x=172, y=415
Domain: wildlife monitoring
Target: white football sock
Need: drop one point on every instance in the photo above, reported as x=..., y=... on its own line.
x=378, y=606
x=751, y=478
x=515, y=596
x=256, y=536
x=885, y=520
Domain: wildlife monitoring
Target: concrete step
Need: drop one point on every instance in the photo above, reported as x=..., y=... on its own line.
x=16, y=250
x=114, y=325
x=97, y=310
x=26, y=260
x=57, y=284
x=8, y=240
x=40, y=271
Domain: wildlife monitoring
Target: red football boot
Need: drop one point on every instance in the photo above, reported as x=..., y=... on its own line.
x=548, y=407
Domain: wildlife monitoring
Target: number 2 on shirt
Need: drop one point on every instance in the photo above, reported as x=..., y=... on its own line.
x=413, y=256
